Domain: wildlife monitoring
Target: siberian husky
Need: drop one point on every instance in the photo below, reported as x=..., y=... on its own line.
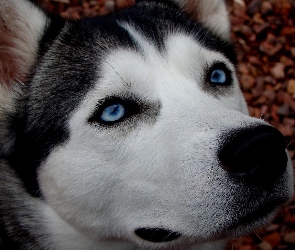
x=130, y=131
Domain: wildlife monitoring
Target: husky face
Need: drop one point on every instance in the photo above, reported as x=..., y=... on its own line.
x=133, y=129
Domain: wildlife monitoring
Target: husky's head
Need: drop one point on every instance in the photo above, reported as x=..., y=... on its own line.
x=133, y=127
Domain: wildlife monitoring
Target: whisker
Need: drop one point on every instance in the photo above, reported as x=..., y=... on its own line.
x=126, y=83
x=259, y=237
x=289, y=143
x=90, y=241
x=166, y=236
x=264, y=109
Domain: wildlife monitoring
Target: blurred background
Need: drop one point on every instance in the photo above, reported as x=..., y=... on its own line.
x=264, y=34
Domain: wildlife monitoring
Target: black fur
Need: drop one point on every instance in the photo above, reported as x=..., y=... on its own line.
x=66, y=71
x=19, y=225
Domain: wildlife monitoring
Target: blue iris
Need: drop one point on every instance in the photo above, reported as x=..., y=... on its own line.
x=218, y=76
x=113, y=113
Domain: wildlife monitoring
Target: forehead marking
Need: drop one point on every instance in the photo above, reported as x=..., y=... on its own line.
x=181, y=52
x=145, y=47
x=176, y=70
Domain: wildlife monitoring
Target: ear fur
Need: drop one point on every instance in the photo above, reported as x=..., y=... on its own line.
x=212, y=13
x=21, y=26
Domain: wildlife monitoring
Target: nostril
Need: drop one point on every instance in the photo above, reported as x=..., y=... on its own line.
x=157, y=234
x=256, y=155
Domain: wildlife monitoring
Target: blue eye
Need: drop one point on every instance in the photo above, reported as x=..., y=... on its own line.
x=113, y=113
x=114, y=110
x=218, y=76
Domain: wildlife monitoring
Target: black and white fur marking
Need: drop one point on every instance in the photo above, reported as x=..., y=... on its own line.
x=181, y=168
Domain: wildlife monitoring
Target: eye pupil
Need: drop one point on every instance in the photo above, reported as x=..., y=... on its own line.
x=113, y=113
x=218, y=76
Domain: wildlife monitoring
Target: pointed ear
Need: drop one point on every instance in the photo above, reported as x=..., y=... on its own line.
x=21, y=27
x=212, y=13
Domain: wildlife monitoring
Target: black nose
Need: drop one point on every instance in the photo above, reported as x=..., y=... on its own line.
x=156, y=234
x=255, y=155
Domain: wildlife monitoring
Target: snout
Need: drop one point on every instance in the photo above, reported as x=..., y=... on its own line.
x=254, y=160
x=254, y=155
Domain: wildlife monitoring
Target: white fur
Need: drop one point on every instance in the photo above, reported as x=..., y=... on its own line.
x=213, y=14
x=150, y=175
